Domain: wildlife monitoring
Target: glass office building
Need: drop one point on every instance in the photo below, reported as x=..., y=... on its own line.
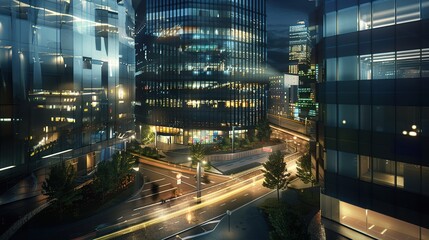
x=66, y=81
x=201, y=68
x=376, y=116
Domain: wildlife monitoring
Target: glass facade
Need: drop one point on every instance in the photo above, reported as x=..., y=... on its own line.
x=202, y=65
x=375, y=118
x=66, y=80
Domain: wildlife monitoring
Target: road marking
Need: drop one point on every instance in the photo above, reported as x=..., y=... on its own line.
x=203, y=183
x=171, y=189
x=155, y=180
x=164, y=185
x=202, y=212
x=160, y=228
x=223, y=204
x=246, y=194
x=119, y=218
x=176, y=222
x=212, y=181
x=135, y=214
x=168, y=177
x=150, y=205
x=234, y=200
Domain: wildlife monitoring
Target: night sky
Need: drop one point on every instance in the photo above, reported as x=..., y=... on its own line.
x=280, y=15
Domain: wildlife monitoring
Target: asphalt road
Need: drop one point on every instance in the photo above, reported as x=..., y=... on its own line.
x=144, y=201
x=166, y=223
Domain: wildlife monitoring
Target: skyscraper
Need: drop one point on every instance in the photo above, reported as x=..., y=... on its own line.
x=376, y=117
x=202, y=69
x=66, y=80
x=299, y=48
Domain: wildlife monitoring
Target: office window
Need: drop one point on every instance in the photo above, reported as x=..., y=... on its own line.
x=425, y=180
x=331, y=69
x=87, y=63
x=407, y=11
x=347, y=68
x=408, y=64
x=407, y=119
x=365, y=62
x=330, y=24
x=383, y=66
x=331, y=161
x=331, y=115
x=408, y=177
x=348, y=116
x=365, y=117
x=425, y=9
x=383, y=13
x=347, y=20
x=383, y=171
x=365, y=16
x=347, y=164
x=425, y=62
x=383, y=119
x=365, y=168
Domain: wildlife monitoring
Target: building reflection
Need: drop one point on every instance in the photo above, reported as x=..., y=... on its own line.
x=66, y=82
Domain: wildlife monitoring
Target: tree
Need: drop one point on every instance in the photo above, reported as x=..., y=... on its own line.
x=59, y=186
x=111, y=175
x=275, y=172
x=263, y=130
x=303, y=168
x=104, y=181
x=122, y=165
x=198, y=153
x=147, y=136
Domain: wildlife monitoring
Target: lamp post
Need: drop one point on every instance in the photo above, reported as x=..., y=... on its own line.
x=156, y=139
x=198, y=182
x=140, y=127
x=198, y=179
x=233, y=135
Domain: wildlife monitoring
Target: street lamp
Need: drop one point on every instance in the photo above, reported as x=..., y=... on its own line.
x=140, y=127
x=198, y=178
x=233, y=135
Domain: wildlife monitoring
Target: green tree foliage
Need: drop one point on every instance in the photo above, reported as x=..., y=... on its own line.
x=275, y=172
x=224, y=143
x=147, y=135
x=111, y=175
x=59, y=185
x=198, y=153
x=287, y=225
x=303, y=168
x=263, y=130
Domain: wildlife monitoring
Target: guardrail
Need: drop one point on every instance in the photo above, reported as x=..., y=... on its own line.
x=237, y=155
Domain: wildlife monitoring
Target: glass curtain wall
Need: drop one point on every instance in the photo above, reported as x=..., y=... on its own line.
x=66, y=78
x=203, y=65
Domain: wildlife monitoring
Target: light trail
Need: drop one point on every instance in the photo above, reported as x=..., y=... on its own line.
x=208, y=200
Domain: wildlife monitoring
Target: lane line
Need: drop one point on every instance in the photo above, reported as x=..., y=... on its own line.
x=171, y=189
x=234, y=200
x=223, y=204
x=135, y=214
x=202, y=212
x=155, y=180
x=246, y=194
